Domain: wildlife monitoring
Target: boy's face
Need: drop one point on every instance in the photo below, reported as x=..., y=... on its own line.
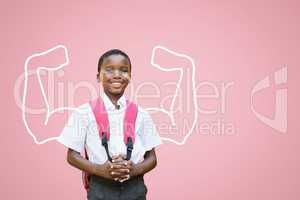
x=115, y=74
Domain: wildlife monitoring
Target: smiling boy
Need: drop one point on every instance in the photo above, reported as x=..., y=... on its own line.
x=111, y=174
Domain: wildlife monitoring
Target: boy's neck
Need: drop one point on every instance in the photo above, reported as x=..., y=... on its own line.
x=113, y=98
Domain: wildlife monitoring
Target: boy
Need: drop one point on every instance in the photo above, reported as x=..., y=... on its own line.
x=118, y=178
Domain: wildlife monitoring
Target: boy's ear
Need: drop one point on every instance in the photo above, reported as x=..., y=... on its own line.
x=98, y=77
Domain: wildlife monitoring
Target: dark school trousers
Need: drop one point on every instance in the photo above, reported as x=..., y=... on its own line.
x=104, y=189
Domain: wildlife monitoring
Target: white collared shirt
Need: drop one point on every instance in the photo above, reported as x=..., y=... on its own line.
x=81, y=132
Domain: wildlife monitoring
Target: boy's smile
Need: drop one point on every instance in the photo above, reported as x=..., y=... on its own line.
x=115, y=75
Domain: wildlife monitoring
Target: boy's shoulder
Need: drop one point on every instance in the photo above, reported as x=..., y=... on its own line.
x=141, y=109
x=143, y=113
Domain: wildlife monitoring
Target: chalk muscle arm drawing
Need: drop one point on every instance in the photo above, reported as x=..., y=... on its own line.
x=183, y=77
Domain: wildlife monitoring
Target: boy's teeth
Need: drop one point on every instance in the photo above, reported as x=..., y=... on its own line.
x=116, y=84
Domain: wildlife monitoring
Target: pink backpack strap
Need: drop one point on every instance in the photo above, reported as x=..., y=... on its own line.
x=129, y=121
x=129, y=127
x=101, y=117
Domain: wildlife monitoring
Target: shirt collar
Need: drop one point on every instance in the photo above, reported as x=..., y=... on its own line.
x=110, y=106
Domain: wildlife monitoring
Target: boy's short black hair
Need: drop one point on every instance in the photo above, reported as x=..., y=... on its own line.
x=112, y=52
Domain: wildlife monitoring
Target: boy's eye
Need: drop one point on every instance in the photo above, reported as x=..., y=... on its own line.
x=124, y=69
x=109, y=69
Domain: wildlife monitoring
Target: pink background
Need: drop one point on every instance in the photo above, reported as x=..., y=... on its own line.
x=239, y=41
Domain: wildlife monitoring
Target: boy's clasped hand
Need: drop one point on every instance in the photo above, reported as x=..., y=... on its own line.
x=119, y=169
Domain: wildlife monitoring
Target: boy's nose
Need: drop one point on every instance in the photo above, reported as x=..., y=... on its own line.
x=116, y=73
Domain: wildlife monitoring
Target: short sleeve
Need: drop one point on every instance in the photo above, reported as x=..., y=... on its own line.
x=149, y=134
x=74, y=133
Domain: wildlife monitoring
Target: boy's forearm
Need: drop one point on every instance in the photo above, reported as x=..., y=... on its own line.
x=76, y=160
x=147, y=165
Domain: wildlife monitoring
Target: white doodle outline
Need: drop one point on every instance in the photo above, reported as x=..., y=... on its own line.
x=170, y=113
x=50, y=112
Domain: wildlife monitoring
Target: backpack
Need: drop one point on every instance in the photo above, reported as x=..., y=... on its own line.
x=101, y=117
